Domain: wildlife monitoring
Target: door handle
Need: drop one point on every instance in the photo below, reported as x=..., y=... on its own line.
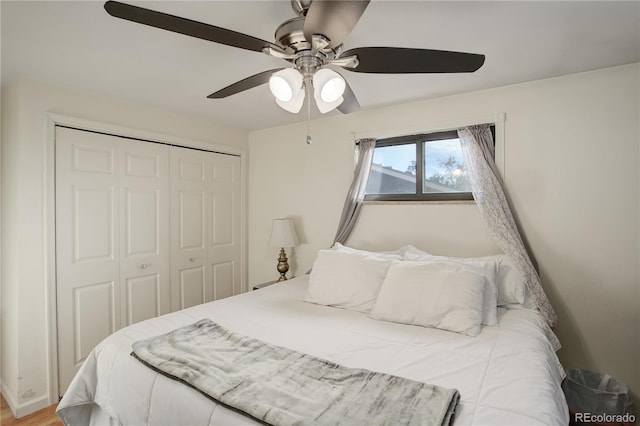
x=192, y=259
x=144, y=266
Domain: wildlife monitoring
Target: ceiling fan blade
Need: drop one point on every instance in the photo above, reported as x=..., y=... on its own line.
x=242, y=85
x=185, y=26
x=399, y=60
x=333, y=19
x=350, y=103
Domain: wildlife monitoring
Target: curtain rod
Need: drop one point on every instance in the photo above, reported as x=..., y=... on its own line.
x=418, y=135
x=433, y=126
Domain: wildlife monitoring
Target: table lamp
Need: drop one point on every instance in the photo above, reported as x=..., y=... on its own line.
x=283, y=234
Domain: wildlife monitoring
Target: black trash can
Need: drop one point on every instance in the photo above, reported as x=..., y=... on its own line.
x=598, y=399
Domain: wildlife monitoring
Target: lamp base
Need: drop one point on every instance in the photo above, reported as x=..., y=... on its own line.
x=283, y=266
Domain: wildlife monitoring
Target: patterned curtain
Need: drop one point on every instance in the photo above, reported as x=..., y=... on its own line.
x=353, y=202
x=488, y=191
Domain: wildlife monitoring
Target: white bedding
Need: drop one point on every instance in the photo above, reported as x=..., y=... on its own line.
x=508, y=375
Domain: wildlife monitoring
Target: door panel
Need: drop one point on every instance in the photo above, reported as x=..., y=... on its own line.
x=188, y=228
x=191, y=167
x=143, y=298
x=142, y=209
x=143, y=165
x=222, y=173
x=192, y=224
x=224, y=240
x=87, y=245
x=222, y=275
x=192, y=286
x=144, y=264
x=112, y=231
x=93, y=222
x=92, y=158
x=95, y=317
x=207, y=187
x=222, y=206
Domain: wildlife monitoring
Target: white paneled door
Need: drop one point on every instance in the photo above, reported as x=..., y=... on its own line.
x=87, y=245
x=189, y=228
x=224, y=226
x=142, y=229
x=205, y=227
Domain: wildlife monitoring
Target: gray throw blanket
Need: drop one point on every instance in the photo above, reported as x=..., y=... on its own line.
x=280, y=386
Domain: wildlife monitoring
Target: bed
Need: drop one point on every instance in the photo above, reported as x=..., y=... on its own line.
x=506, y=375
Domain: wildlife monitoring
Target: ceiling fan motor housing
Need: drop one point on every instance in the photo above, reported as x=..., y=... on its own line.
x=289, y=35
x=307, y=56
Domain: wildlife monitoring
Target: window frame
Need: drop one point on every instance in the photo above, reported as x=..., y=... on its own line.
x=418, y=140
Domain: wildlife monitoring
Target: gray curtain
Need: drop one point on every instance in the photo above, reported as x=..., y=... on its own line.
x=353, y=202
x=488, y=191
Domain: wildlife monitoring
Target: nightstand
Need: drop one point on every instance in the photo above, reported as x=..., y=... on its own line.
x=263, y=285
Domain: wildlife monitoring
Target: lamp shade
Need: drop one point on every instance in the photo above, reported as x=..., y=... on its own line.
x=329, y=85
x=295, y=104
x=325, y=107
x=285, y=84
x=283, y=234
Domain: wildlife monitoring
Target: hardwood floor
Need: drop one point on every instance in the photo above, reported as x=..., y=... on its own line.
x=45, y=417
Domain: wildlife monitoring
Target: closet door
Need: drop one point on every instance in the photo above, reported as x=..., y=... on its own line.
x=144, y=230
x=87, y=245
x=224, y=228
x=205, y=227
x=189, y=172
x=112, y=246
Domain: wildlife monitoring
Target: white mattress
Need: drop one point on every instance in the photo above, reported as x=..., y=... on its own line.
x=508, y=375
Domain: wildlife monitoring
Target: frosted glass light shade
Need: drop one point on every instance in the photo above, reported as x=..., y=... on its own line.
x=295, y=104
x=328, y=85
x=285, y=84
x=325, y=107
x=283, y=234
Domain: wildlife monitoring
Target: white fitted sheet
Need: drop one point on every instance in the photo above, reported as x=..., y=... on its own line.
x=508, y=375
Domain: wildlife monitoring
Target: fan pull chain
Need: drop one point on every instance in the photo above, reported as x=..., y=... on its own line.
x=307, y=96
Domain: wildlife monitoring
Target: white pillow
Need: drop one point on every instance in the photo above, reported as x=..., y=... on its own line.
x=439, y=295
x=511, y=288
x=509, y=281
x=397, y=254
x=346, y=280
x=484, y=267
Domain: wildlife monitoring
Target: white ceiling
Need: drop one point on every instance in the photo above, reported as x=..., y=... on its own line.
x=77, y=45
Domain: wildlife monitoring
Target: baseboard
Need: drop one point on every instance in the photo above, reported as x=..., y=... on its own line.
x=9, y=398
x=21, y=410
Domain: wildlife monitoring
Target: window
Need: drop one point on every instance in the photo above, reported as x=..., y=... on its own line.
x=419, y=167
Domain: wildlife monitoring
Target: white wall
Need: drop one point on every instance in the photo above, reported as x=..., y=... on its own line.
x=572, y=166
x=424, y=225
x=26, y=350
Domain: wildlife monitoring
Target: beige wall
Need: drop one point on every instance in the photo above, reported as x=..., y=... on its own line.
x=571, y=163
x=26, y=350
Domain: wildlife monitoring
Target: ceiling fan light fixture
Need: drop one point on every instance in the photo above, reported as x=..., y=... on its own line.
x=294, y=105
x=325, y=107
x=310, y=41
x=328, y=85
x=285, y=84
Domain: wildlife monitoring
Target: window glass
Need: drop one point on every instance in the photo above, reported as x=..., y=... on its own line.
x=428, y=166
x=444, y=167
x=393, y=170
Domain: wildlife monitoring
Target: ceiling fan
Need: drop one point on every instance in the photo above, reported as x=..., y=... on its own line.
x=311, y=42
